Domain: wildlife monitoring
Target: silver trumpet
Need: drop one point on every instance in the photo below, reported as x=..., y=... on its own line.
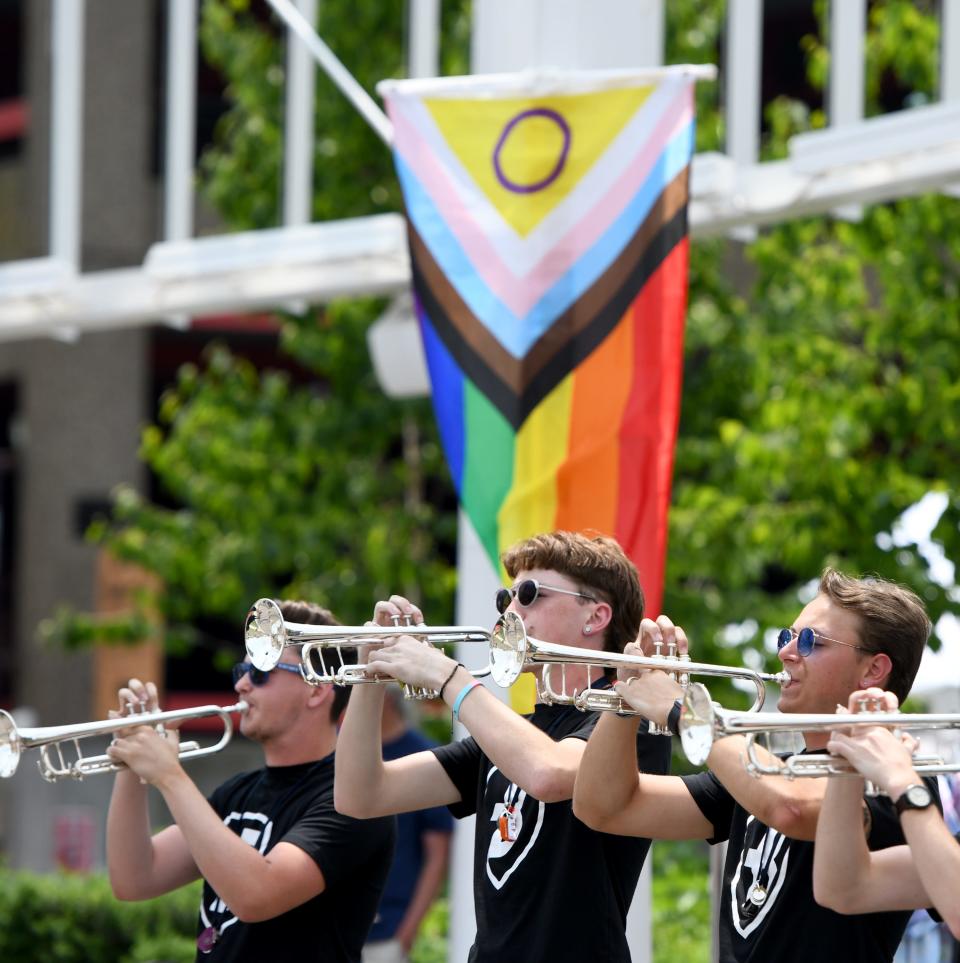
x=322, y=659
x=54, y=763
x=514, y=648
x=702, y=722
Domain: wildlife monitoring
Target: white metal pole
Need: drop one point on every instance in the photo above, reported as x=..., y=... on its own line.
x=335, y=70
x=180, y=120
x=848, y=26
x=423, y=48
x=950, y=50
x=477, y=583
x=299, y=124
x=742, y=94
x=66, y=134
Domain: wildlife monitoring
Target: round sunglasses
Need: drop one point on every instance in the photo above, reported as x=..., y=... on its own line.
x=259, y=677
x=527, y=592
x=807, y=640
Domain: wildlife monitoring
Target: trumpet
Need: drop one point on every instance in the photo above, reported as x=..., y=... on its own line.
x=267, y=634
x=51, y=740
x=514, y=648
x=702, y=722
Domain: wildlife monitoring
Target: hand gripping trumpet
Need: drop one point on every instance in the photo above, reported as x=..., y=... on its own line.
x=702, y=722
x=514, y=648
x=51, y=740
x=322, y=659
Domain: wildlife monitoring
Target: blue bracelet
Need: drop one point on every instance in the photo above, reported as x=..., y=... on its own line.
x=461, y=695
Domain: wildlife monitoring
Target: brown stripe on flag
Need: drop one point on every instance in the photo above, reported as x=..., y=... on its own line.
x=516, y=373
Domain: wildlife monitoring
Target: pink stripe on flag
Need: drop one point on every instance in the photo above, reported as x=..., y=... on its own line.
x=520, y=294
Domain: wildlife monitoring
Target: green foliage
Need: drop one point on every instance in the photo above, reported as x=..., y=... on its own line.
x=680, y=920
x=76, y=919
x=820, y=385
x=324, y=490
x=302, y=491
x=353, y=170
x=431, y=943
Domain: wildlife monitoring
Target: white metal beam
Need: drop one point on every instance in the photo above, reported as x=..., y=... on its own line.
x=241, y=272
x=880, y=159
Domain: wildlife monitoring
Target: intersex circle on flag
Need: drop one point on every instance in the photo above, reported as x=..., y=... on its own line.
x=547, y=114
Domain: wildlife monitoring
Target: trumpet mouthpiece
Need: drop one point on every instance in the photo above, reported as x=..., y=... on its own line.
x=241, y=707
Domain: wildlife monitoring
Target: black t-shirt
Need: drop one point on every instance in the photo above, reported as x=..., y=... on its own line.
x=294, y=804
x=786, y=924
x=559, y=891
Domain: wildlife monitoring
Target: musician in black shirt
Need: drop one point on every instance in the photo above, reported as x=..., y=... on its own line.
x=855, y=634
x=546, y=886
x=286, y=878
x=849, y=878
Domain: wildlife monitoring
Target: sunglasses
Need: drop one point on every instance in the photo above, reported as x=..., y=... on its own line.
x=807, y=640
x=527, y=592
x=259, y=677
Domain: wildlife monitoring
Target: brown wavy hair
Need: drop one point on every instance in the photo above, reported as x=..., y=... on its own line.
x=598, y=565
x=309, y=613
x=891, y=618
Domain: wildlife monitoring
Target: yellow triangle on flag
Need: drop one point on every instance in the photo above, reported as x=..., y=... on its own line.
x=527, y=154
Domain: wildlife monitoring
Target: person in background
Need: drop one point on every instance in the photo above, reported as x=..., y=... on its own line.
x=422, y=855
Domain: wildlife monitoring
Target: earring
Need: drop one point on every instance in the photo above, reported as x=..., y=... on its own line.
x=587, y=630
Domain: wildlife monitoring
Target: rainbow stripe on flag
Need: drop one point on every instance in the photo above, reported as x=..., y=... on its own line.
x=548, y=236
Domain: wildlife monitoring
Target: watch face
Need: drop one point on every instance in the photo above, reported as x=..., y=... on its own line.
x=919, y=796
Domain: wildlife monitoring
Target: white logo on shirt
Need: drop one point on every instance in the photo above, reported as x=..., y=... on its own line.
x=499, y=848
x=256, y=832
x=764, y=864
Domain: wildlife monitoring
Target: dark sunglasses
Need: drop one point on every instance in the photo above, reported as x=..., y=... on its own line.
x=527, y=591
x=260, y=677
x=807, y=640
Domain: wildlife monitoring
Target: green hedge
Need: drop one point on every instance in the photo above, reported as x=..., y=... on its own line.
x=62, y=918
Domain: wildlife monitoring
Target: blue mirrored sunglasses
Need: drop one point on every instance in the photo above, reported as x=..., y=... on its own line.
x=260, y=677
x=807, y=640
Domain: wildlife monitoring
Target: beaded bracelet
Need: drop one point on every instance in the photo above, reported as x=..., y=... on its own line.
x=453, y=672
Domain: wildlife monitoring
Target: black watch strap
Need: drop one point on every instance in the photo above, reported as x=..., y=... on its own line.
x=915, y=796
x=673, y=717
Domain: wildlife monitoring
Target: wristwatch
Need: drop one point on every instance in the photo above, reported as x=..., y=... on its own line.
x=916, y=796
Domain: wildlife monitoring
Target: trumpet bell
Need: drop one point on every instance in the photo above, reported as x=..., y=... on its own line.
x=508, y=649
x=697, y=723
x=10, y=748
x=264, y=634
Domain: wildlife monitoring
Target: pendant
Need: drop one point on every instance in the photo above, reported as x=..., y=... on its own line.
x=508, y=825
x=207, y=939
x=758, y=895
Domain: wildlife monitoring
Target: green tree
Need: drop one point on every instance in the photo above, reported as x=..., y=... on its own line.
x=819, y=394
x=820, y=384
x=320, y=487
